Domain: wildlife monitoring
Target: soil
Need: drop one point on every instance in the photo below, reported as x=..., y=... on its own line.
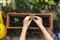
x=33, y=24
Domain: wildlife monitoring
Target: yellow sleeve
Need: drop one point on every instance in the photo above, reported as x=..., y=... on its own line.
x=1, y=19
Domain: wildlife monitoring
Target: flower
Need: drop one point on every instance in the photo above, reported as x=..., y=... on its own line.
x=37, y=0
x=3, y=3
x=41, y=0
x=9, y=1
x=46, y=1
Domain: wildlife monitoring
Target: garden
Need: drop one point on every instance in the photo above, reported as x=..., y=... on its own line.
x=13, y=13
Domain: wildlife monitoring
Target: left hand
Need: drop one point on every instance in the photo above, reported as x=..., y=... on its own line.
x=38, y=21
x=26, y=22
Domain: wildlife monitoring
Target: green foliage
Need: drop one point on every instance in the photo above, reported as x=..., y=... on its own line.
x=51, y=4
x=16, y=20
x=58, y=10
x=0, y=6
x=36, y=5
x=32, y=15
x=7, y=8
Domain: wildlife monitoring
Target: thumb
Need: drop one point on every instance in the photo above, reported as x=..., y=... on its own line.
x=30, y=20
x=35, y=20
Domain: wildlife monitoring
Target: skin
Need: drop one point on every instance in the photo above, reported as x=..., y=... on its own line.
x=39, y=23
x=26, y=23
x=44, y=31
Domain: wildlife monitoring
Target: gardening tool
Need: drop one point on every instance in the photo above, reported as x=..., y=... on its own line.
x=3, y=29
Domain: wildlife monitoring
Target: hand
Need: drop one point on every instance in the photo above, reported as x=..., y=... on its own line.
x=38, y=20
x=26, y=22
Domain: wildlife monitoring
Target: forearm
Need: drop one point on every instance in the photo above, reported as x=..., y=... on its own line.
x=23, y=34
x=45, y=33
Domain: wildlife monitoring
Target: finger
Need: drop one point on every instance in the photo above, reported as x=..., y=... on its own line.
x=35, y=20
x=30, y=20
x=27, y=18
x=36, y=16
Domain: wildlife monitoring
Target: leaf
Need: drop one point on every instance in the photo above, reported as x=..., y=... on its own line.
x=16, y=20
x=32, y=15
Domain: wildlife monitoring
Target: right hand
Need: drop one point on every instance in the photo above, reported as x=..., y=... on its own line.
x=38, y=20
x=26, y=22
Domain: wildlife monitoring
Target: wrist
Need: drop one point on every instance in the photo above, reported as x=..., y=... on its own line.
x=24, y=28
x=24, y=31
x=41, y=25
